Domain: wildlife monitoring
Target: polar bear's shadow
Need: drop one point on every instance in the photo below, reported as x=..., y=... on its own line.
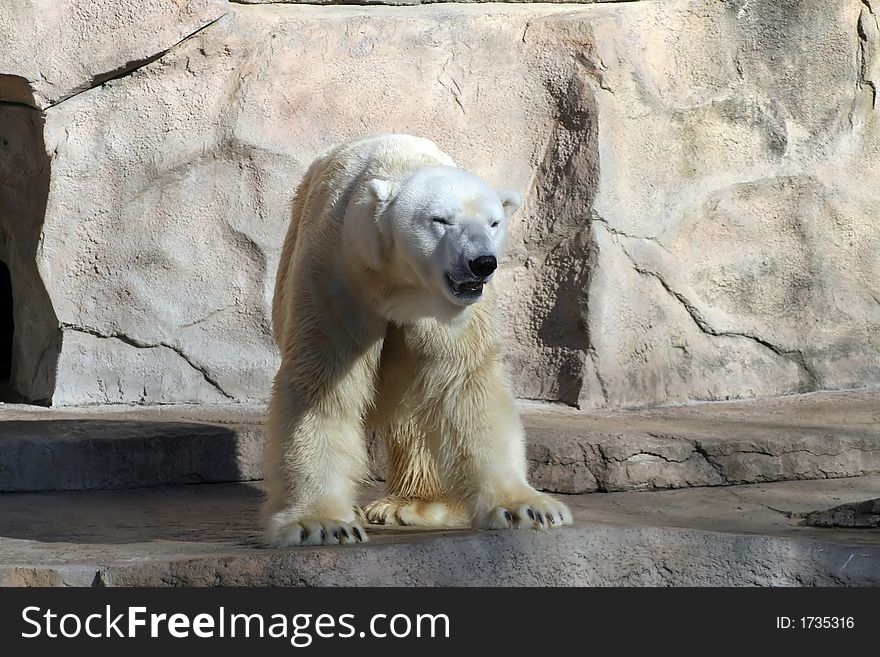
x=137, y=482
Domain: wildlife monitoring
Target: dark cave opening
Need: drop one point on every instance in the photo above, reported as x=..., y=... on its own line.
x=7, y=326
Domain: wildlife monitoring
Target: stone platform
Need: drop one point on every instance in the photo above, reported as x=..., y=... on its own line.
x=207, y=535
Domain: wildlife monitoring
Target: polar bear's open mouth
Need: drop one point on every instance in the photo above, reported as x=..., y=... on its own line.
x=465, y=290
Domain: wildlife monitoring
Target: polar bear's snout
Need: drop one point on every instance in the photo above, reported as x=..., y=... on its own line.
x=467, y=277
x=467, y=255
x=480, y=270
x=483, y=266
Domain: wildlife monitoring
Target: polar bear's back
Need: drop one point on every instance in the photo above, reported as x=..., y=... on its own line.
x=388, y=157
x=327, y=188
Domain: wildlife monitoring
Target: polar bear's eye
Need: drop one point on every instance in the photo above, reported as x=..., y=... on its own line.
x=441, y=220
x=494, y=224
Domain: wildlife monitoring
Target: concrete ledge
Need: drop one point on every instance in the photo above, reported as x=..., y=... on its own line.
x=207, y=535
x=816, y=436
x=90, y=454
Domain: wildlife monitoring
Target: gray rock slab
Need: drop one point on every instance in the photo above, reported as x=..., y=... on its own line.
x=207, y=535
x=815, y=436
x=852, y=514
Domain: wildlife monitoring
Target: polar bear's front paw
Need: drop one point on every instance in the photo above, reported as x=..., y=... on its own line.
x=538, y=512
x=286, y=532
x=413, y=512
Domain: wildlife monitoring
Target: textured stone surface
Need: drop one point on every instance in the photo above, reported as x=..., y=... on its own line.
x=207, y=535
x=170, y=187
x=53, y=50
x=753, y=235
x=819, y=436
x=699, y=176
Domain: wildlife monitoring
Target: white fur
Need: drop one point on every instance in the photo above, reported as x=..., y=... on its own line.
x=376, y=331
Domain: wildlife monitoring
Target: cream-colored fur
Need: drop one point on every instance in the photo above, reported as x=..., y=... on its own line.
x=369, y=337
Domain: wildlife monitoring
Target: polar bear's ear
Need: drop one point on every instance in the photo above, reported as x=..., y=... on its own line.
x=510, y=201
x=381, y=190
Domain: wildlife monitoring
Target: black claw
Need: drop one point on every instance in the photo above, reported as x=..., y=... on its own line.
x=336, y=534
x=357, y=534
x=508, y=516
x=540, y=518
x=323, y=535
x=551, y=518
x=343, y=531
x=531, y=514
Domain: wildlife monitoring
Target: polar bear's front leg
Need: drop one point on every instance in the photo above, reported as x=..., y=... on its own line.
x=491, y=468
x=466, y=409
x=316, y=453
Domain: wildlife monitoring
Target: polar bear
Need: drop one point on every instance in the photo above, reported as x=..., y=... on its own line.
x=385, y=320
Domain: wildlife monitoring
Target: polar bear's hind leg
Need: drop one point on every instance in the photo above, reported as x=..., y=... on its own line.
x=415, y=495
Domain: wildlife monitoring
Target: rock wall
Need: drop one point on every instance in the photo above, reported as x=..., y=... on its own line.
x=700, y=180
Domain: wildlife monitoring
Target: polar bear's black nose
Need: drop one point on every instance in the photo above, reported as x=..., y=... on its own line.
x=483, y=266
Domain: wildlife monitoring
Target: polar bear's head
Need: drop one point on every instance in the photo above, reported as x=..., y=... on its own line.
x=447, y=230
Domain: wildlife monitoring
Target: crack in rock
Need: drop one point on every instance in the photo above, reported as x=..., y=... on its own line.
x=794, y=356
x=139, y=344
x=603, y=386
x=204, y=319
x=719, y=463
x=868, y=29
x=123, y=71
x=741, y=498
x=801, y=450
x=608, y=458
x=699, y=449
x=619, y=233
